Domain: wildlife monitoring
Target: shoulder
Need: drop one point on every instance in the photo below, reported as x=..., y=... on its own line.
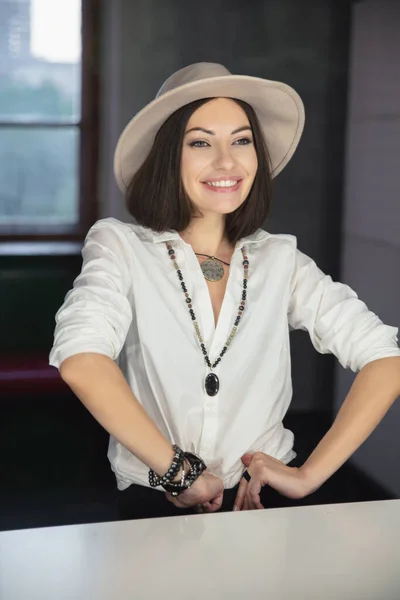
x=109, y=229
x=274, y=242
x=283, y=239
x=111, y=225
x=287, y=245
x=112, y=241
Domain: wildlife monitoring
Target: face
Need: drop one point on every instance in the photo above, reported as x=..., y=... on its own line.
x=219, y=160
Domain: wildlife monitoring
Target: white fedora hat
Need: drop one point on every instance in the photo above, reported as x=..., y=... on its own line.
x=279, y=109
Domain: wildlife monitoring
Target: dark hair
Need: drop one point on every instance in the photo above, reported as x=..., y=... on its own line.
x=156, y=197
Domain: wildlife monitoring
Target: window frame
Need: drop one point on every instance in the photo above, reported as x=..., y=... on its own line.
x=88, y=153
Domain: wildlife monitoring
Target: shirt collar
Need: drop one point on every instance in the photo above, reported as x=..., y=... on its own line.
x=149, y=235
x=258, y=236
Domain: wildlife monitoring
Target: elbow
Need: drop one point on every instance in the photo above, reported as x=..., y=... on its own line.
x=387, y=369
x=73, y=368
x=68, y=369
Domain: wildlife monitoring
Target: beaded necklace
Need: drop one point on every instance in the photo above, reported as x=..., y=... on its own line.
x=212, y=383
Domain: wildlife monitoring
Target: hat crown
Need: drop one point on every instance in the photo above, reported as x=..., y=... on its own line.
x=192, y=73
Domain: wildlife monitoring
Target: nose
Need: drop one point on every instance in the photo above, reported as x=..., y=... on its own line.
x=223, y=160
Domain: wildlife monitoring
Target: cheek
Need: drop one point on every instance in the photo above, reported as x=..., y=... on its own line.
x=192, y=166
x=187, y=171
x=253, y=163
x=249, y=162
x=184, y=167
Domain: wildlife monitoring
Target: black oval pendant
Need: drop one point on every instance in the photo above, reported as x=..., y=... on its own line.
x=212, y=384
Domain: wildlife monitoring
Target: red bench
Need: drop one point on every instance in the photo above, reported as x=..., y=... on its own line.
x=22, y=375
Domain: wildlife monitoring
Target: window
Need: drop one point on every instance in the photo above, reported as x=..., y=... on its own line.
x=48, y=118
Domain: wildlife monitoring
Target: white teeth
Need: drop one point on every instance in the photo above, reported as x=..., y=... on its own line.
x=224, y=183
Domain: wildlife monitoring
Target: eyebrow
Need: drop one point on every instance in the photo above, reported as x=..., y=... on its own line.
x=209, y=132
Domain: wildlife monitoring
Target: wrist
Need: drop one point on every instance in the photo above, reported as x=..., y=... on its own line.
x=310, y=478
x=183, y=471
x=172, y=471
x=184, y=475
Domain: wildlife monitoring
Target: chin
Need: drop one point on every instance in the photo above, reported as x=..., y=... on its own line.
x=212, y=210
x=222, y=207
x=228, y=208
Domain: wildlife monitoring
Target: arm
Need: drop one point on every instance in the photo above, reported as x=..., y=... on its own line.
x=340, y=324
x=373, y=392
x=91, y=329
x=100, y=385
x=102, y=388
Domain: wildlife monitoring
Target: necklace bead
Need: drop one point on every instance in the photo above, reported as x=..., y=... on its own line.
x=212, y=383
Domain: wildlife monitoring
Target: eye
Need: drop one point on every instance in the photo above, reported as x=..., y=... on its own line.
x=243, y=141
x=198, y=144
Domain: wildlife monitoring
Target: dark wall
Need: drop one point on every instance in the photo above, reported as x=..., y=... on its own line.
x=53, y=455
x=303, y=43
x=31, y=290
x=371, y=243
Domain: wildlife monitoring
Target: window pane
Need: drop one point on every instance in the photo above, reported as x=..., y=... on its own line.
x=40, y=60
x=38, y=176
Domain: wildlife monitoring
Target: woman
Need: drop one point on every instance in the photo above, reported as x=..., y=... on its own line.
x=175, y=335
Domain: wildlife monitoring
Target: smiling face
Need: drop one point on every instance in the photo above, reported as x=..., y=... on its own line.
x=219, y=160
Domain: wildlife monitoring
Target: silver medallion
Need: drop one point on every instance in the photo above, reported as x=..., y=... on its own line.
x=212, y=270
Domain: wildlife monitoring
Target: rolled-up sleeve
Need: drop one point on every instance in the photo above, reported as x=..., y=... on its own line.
x=96, y=313
x=336, y=320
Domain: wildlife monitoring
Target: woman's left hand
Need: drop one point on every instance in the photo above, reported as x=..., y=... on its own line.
x=265, y=470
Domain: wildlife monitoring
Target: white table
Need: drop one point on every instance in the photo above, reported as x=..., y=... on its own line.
x=341, y=552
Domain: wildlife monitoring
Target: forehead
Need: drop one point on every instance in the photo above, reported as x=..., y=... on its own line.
x=219, y=111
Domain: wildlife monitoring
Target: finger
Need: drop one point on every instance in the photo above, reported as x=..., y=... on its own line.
x=175, y=501
x=247, y=458
x=216, y=503
x=253, y=495
x=255, y=504
x=209, y=507
x=241, y=494
x=220, y=499
x=246, y=503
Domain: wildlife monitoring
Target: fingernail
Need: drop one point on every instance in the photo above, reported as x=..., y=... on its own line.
x=235, y=507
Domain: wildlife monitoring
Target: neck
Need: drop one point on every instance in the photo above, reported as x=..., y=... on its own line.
x=207, y=235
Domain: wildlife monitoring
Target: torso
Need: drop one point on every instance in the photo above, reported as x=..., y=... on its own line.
x=155, y=345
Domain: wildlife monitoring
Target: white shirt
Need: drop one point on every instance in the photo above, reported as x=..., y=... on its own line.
x=127, y=303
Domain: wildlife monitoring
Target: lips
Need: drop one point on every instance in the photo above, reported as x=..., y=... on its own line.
x=223, y=185
x=215, y=185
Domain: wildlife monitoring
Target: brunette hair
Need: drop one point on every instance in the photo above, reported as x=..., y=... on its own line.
x=156, y=198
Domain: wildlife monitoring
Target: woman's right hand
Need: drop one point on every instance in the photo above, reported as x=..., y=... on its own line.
x=207, y=492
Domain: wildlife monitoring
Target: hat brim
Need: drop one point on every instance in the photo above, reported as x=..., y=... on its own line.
x=279, y=109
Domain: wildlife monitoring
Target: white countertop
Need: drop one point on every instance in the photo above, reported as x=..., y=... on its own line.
x=341, y=552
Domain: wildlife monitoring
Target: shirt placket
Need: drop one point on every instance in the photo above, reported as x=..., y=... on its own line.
x=215, y=342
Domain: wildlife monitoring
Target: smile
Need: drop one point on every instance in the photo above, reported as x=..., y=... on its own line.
x=223, y=185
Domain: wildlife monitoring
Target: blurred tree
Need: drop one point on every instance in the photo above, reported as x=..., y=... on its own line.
x=38, y=166
x=44, y=101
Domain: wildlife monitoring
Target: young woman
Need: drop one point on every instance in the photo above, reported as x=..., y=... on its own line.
x=175, y=335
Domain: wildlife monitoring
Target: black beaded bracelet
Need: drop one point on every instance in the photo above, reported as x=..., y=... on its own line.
x=177, y=463
x=197, y=467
